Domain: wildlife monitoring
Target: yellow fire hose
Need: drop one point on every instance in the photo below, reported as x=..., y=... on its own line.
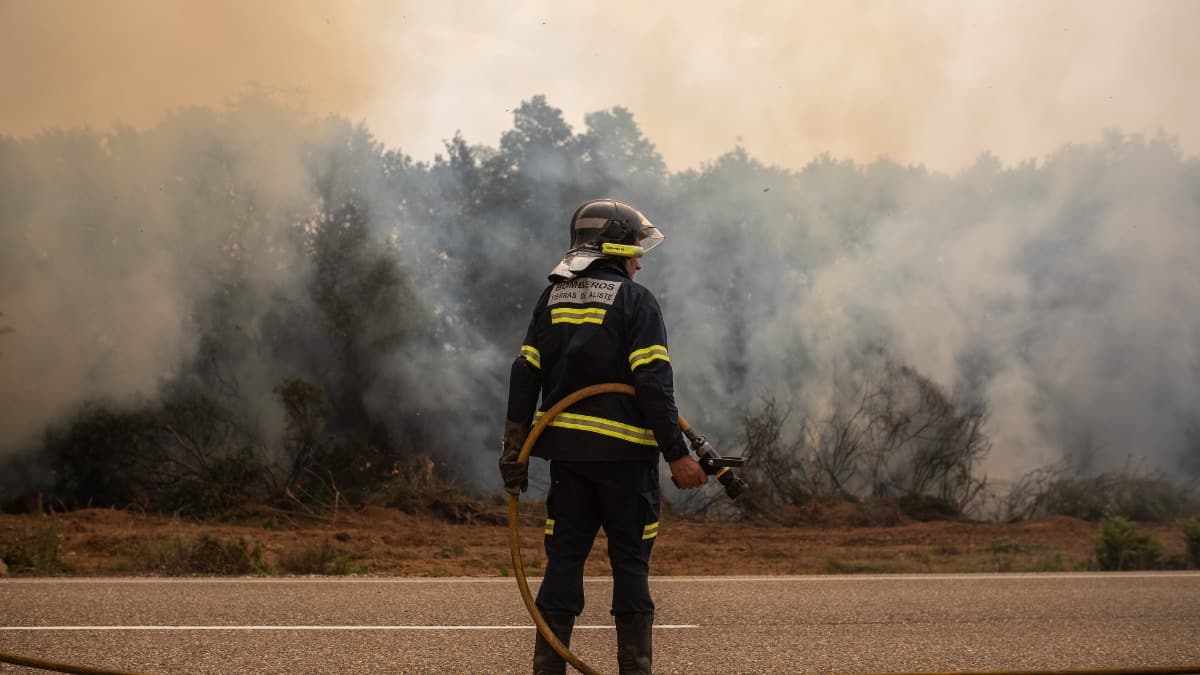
x=514, y=540
x=514, y=514
x=30, y=662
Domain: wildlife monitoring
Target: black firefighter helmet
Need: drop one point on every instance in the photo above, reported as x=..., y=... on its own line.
x=606, y=227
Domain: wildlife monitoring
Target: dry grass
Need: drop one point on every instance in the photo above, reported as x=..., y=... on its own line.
x=387, y=541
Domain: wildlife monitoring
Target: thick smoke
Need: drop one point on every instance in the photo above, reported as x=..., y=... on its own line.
x=111, y=243
x=1057, y=291
x=221, y=251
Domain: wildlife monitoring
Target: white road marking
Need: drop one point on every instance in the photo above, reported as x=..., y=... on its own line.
x=1074, y=576
x=368, y=627
x=819, y=578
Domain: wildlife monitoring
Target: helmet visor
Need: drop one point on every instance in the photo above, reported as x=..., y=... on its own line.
x=650, y=236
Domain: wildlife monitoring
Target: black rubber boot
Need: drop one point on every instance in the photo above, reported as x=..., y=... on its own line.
x=635, y=643
x=546, y=661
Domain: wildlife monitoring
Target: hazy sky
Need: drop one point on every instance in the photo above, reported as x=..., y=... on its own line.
x=934, y=81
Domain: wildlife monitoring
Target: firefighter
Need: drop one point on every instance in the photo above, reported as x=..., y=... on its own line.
x=593, y=325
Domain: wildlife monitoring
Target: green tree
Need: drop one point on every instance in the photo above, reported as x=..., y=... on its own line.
x=617, y=159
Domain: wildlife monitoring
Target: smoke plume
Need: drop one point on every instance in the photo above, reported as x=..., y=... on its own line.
x=935, y=82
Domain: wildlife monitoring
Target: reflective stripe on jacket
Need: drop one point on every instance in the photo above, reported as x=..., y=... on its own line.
x=599, y=327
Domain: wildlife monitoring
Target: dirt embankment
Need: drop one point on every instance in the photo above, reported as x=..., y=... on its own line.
x=386, y=541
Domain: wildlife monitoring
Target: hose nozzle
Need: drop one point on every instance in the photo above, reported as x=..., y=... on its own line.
x=716, y=465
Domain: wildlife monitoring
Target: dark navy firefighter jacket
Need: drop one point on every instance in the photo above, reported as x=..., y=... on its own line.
x=599, y=327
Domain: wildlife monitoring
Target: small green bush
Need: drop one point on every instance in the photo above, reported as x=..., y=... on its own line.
x=205, y=554
x=37, y=549
x=1051, y=562
x=1191, y=536
x=323, y=558
x=1120, y=545
x=1005, y=545
x=452, y=551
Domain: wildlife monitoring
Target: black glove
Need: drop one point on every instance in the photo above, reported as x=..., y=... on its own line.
x=515, y=474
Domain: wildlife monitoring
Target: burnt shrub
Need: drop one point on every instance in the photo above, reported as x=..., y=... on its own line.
x=227, y=482
x=927, y=507
x=186, y=454
x=420, y=484
x=886, y=431
x=1130, y=496
x=102, y=456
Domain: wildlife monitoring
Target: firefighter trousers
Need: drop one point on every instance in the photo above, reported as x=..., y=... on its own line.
x=621, y=497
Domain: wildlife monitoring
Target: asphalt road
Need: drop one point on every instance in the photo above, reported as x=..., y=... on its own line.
x=704, y=624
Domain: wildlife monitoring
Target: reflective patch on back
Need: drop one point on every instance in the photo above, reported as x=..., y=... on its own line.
x=583, y=291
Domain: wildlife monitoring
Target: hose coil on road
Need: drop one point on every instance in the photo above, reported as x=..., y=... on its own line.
x=514, y=515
